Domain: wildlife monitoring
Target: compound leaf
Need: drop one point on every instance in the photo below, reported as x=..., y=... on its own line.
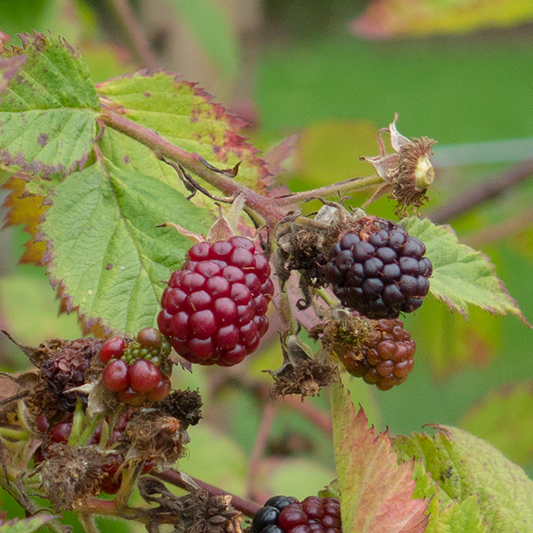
x=48, y=111
x=186, y=116
x=467, y=467
x=461, y=275
x=104, y=247
x=376, y=492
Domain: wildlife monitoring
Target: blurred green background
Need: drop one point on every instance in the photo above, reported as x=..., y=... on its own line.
x=297, y=67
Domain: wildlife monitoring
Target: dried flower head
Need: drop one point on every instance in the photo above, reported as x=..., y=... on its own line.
x=154, y=436
x=70, y=476
x=409, y=170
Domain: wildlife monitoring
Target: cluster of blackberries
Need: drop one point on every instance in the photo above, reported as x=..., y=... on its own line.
x=282, y=514
x=378, y=269
x=214, y=308
x=386, y=358
x=134, y=370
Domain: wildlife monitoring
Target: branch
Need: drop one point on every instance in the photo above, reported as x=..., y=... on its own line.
x=346, y=186
x=173, y=477
x=135, y=33
x=263, y=206
x=489, y=189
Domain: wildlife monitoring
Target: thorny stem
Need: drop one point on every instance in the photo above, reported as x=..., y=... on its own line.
x=487, y=190
x=173, y=477
x=346, y=186
x=261, y=440
x=262, y=205
x=15, y=434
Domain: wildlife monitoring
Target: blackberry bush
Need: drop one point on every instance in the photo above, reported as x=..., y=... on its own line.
x=379, y=270
x=214, y=308
x=282, y=514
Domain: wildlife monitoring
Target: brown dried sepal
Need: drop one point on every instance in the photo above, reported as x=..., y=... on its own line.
x=196, y=512
x=70, y=476
x=305, y=378
x=408, y=170
x=154, y=436
x=342, y=332
x=184, y=405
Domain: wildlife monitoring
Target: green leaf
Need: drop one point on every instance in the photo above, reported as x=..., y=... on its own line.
x=185, y=115
x=211, y=26
x=466, y=466
x=461, y=275
x=104, y=246
x=505, y=419
x=27, y=525
x=376, y=491
x=458, y=518
x=48, y=111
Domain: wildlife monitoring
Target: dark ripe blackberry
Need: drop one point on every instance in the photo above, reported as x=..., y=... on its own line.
x=214, y=307
x=386, y=358
x=379, y=270
x=282, y=514
x=67, y=369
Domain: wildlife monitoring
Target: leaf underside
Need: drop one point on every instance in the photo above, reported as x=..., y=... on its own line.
x=461, y=275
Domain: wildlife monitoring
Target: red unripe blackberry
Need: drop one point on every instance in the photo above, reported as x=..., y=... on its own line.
x=116, y=375
x=150, y=338
x=282, y=514
x=161, y=390
x=131, y=397
x=214, y=307
x=144, y=376
x=384, y=359
x=379, y=270
x=112, y=348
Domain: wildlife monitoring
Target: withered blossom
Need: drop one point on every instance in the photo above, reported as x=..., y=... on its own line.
x=408, y=170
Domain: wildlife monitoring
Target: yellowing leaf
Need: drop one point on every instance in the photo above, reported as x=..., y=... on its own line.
x=376, y=492
x=384, y=19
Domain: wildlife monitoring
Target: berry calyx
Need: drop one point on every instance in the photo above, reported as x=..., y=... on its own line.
x=379, y=270
x=214, y=307
x=282, y=514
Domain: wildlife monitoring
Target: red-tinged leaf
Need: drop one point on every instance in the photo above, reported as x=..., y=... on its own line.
x=26, y=210
x=376, y=492
x=186, y=116
x=8, y=68
x=385, y=19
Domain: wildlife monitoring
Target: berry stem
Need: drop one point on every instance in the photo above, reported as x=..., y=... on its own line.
x=174, y=478
x=15, y=434
x=89, y=430
x=77, y=425
x=346, y=186
x=262, y=205
x=87, y=522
